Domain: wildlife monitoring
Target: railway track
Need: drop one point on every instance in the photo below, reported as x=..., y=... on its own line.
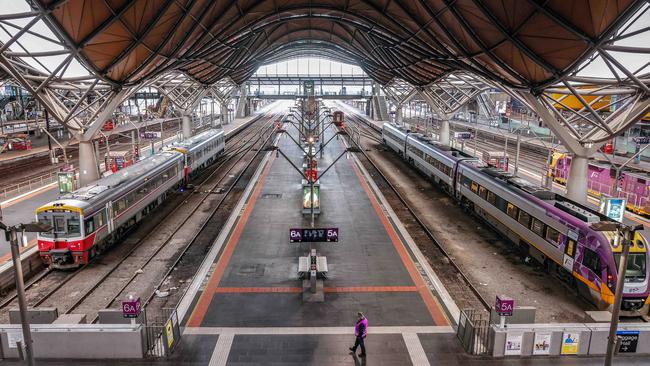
x=444, y=265
x=50, y=288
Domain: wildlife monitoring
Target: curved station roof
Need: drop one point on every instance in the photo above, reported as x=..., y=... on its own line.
x=522, y=44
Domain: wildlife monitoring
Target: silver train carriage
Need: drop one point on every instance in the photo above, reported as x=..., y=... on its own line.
x=548, y=227
x=85, y=222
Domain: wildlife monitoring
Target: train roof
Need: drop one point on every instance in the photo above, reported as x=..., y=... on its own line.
x=122, y=177
x=196, y=140
x=454, y=153
x=523, y=187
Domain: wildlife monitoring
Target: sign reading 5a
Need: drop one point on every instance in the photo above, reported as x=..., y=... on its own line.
x=314, y=235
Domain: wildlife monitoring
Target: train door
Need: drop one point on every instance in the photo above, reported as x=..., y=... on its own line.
x=457, y=180
x=570, y=251
x=109, y=222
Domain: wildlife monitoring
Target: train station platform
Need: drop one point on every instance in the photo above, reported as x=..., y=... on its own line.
x=250, y=310
x=40, y=148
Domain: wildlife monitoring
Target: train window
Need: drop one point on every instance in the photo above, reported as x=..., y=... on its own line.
x=512, y=210
x=466, y=181
x=537, y=227
x=99, y=219
x=482, y=192
x=74, y=226
x=89, y=226
x=524, y=218
x=121, y=205
x=591, y=260
x=491, y=197
x=570, y=248
x=59, y=224
x=47, y=220
x=474, y=188
x=552, y=235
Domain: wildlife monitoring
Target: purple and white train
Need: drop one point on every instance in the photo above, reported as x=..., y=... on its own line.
x=546, y=226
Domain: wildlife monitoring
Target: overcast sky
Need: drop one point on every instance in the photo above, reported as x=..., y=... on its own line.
x=33, y=43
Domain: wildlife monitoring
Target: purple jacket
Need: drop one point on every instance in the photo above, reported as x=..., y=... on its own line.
x=361, y=328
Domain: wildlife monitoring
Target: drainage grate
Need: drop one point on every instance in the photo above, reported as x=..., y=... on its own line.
x=272, y=195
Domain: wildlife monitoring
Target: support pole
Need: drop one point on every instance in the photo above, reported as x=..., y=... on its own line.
x=186, y=126
x=47, y=128
x=517, y=154
x=20, y=289
x=224, y=114
x=444, y=132
x=618, y=295
x=398, y=114
x=88, y=172
x=577, y=182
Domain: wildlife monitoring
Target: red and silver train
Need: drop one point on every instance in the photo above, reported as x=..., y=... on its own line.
x=338, y=118
x=87, y=221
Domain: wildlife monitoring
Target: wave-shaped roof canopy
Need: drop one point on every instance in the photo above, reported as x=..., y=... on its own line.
x=523, y=44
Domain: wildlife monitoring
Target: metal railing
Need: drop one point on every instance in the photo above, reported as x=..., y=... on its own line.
x=162, y=333
x=473, y=331
x=17, y=189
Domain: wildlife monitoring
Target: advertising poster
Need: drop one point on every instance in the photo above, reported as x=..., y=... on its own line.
x=542, y=345
x=306, y=201
x=513, y=344
x=570, y=343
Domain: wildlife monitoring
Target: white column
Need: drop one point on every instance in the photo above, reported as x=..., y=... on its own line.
x=398, y=114
x=224, y=114
x=576, y=186
x=444, y=132
x=187, y=126
x=88, y=172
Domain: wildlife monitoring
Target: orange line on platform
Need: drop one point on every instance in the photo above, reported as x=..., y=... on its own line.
x=201, y=308
x=244, y=290
x=372, y=289
x=430, y=301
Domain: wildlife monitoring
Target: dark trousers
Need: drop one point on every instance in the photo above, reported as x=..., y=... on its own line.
x=359, y=342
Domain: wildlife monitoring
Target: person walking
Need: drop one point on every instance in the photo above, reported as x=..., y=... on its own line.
x=360, y=331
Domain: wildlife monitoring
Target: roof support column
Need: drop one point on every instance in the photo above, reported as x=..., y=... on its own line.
x=88, y=171
x=578, y=172
x=186, y=126
x=242, y=101
x=225, y=116
x=576, y=184
x=444, y=132
x=399, y=114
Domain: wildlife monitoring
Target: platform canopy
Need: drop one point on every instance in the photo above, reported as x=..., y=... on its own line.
x=519, y=43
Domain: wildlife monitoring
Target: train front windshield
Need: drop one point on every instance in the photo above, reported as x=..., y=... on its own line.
x=636, y=270
x=64, y=224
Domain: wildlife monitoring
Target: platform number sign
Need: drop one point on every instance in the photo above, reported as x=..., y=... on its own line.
x=314, y=235
x=504, y=305
x=131, y=308
x=628, y=340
